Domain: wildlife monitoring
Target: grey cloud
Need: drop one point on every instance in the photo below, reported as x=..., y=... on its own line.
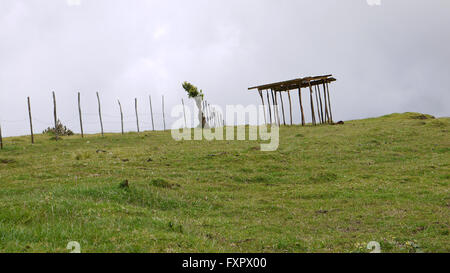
x=391, y=58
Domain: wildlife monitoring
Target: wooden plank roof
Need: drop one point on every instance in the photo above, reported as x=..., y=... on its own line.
x=295, y=83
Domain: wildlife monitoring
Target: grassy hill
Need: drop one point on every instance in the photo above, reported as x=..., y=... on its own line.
x=326, y=189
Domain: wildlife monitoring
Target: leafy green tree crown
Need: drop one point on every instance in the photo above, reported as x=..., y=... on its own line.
x=192, y=90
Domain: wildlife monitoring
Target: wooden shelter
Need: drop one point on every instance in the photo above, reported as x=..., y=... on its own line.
x=322, y=108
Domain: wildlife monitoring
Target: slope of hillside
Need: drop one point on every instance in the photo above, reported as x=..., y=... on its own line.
x=326, y=189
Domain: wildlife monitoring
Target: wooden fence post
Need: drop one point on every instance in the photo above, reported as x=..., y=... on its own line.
x=31, y=120
x=54, y=115
x=184, y=113
x=100, y=113
x=164, y=115
x=121, y=115
x=151, y=112
x=1, y=138
x=137, y=117
x=79, y=112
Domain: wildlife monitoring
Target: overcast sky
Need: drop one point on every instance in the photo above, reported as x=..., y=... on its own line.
x=389, y=58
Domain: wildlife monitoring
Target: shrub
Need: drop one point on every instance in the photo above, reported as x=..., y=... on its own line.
x=82, y=156
x=59, y=130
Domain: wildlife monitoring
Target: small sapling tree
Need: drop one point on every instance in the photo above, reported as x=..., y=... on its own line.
x=197, y=95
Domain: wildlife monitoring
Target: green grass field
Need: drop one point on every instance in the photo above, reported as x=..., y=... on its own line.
x=326, y=189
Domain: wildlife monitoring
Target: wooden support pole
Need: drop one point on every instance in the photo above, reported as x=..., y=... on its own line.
x=264, y=108
x=313, y=116
x=275, y=108
x=100, y=113
x=1, y=138
x=268, y=103
x=184, y=113
x=31, y=120
x=282, y=108
x=301, y=105
x=151, y=112
x=121, y=115
x=327, y=116
x=54, y=115
x=164, y=115
x=317, y=104
x=79, y=113
x=137, y=116
x=329, y=104
x=321, y=105
x=290, y=105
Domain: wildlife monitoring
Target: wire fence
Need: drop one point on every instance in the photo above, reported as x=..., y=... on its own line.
x=144, y=118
